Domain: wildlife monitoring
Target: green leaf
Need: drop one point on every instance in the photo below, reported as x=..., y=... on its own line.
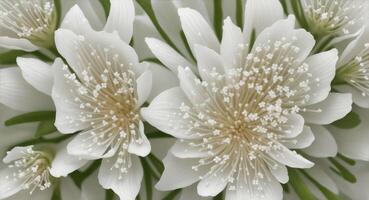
x=252, y=39
x=31, y=117
x=218, y=18
x=147, y=7
x=156, y=163
x=351, y=120
x=284, y=6
x=147, y=178
x=172, y=195
x=109, y=195
x=239, y=13
x=220, y=196
x=299, y=186
x=45, y=128
x=58, y=7
x=347, y=160
x=106, y=5
x=342, y=171
x=56, y=194
x=10, y=57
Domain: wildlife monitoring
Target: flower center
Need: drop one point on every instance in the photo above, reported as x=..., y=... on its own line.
x=356, y=71
x=334, y=16
x=32, y=169
x=34, y=20
x=245, y=112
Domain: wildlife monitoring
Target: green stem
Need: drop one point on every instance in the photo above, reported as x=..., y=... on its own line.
x=218, y=18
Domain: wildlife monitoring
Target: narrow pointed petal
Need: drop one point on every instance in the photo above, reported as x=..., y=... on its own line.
x=16, y=93
x=334, y=107
x=324, y=144
x=197, y=29
x=37, y=73
x=260, y=14
x=125, y=185
x=121, y=17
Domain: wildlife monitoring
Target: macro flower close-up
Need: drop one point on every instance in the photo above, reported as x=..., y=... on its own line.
x=184, y=99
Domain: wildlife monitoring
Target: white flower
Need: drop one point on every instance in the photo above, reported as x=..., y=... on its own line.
x=335, y=17
x=27, y=174
x=353, y=69
x=235, y=124
x=27, y=24
x=102, y=95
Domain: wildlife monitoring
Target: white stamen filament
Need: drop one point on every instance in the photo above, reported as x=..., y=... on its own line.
x=30, y=19
x=334, y=16
x=32, y=169
x=356, y=71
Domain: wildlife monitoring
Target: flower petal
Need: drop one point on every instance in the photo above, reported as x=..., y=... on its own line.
x=191, y=86
x=178, y=173
x=9, y=185
x=208, y=62
x=163, y=79
x=140, y=146
x=76, y=21
x=231, y=45
x=303, y=140
x=214, y=183
x=125, y=185
x=334, y=107
x=64, y=163
x=184, y=149
x=37, y=73
x=93, y=11
x=323, y=76
x=260, y=14
x=73, y=48
x=191, y=193
x=85, y=146
x=197, y=30
x=67, y=118
x=121, y=16
x=163, y=113
x=324, y=144
x=16, y=93
x=271, y=190
x=285, y=29
x=19, y=44
x=143, y=28
x=168, y=56
x=354, y=47
x=357, y=97
x=279, y=172
x=289, y=158
x=353, y=142
x=294, y=126
x=144, y=84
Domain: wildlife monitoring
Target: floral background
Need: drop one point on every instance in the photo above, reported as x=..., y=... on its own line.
x=184, y=99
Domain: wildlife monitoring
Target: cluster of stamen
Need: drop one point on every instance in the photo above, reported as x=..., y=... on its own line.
x=356, y=71
x=244, y=113
x=105, y=90
x=334, y=16
x=30, y=19
x=32, y=169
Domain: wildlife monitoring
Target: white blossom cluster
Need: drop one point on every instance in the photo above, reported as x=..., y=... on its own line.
x=184, y=99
